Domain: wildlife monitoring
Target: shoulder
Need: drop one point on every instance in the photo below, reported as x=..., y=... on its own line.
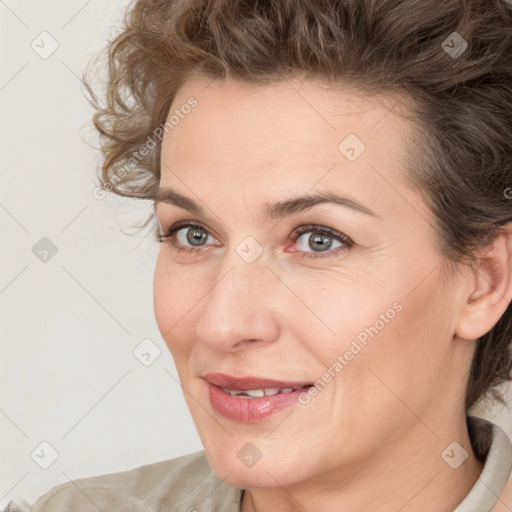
x=17, y=507
x=166, y=485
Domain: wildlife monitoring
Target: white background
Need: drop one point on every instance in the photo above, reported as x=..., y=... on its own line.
x=68, y=326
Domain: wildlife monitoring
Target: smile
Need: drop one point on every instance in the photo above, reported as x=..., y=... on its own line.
x=254, y=393
x=251, y=399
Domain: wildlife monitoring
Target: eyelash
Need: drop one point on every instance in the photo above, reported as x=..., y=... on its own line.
x=340, y=237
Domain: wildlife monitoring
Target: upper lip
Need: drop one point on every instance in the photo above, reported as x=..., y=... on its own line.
x=244, y=383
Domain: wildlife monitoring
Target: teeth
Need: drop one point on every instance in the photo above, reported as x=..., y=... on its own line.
x=259, y=392
x=255, y=392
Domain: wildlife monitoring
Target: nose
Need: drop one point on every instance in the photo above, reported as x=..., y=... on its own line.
x=240, y=310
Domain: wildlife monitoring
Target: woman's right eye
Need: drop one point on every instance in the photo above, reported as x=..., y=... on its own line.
x=182, y=234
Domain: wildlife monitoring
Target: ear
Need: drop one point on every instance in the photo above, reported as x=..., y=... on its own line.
x=490, y=290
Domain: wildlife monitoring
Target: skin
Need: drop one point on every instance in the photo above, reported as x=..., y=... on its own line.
x=376, y=432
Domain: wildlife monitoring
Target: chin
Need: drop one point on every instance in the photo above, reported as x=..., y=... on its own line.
x=263, y=473
x=245, y=478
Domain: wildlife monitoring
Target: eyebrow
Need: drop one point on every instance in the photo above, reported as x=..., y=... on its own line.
x=271, y=211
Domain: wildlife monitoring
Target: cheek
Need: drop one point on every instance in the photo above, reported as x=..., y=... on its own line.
x=406, y=359
x=175, y=295
x=341, y=309
x=389, y=358
x=400, y=334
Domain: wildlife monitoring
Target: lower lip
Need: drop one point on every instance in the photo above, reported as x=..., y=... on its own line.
x=250, y=410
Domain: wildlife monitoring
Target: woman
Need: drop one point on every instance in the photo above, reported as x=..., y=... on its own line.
x=331, y=182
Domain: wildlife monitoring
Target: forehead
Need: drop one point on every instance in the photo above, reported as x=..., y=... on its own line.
x=290, y=135
x=299, y=121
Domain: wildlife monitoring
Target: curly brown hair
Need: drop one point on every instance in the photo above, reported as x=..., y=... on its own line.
x=452, y=59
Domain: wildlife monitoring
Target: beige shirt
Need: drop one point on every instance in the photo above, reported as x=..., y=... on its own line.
x=188, y=484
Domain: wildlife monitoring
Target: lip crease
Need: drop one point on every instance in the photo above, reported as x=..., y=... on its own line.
x=249, y=409
x=244, y=383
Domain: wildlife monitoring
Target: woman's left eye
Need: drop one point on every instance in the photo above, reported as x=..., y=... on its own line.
x=320, y=239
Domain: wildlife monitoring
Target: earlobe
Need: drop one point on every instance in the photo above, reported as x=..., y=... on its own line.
x=491, y=287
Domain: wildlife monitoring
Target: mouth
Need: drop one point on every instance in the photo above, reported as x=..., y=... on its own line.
x=257, y=393
x=252, y=383
x=251, y=399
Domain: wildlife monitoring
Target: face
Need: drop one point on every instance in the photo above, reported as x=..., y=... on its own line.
x=345, y=295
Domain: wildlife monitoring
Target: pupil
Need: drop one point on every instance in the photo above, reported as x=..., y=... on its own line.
x=324, y=242
x=196, y=235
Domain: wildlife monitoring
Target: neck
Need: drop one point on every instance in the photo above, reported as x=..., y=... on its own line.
x=410, y=477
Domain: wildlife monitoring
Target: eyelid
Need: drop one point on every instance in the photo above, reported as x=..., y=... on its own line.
x=346, y=242
x=177, y=226
x=316, y=228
